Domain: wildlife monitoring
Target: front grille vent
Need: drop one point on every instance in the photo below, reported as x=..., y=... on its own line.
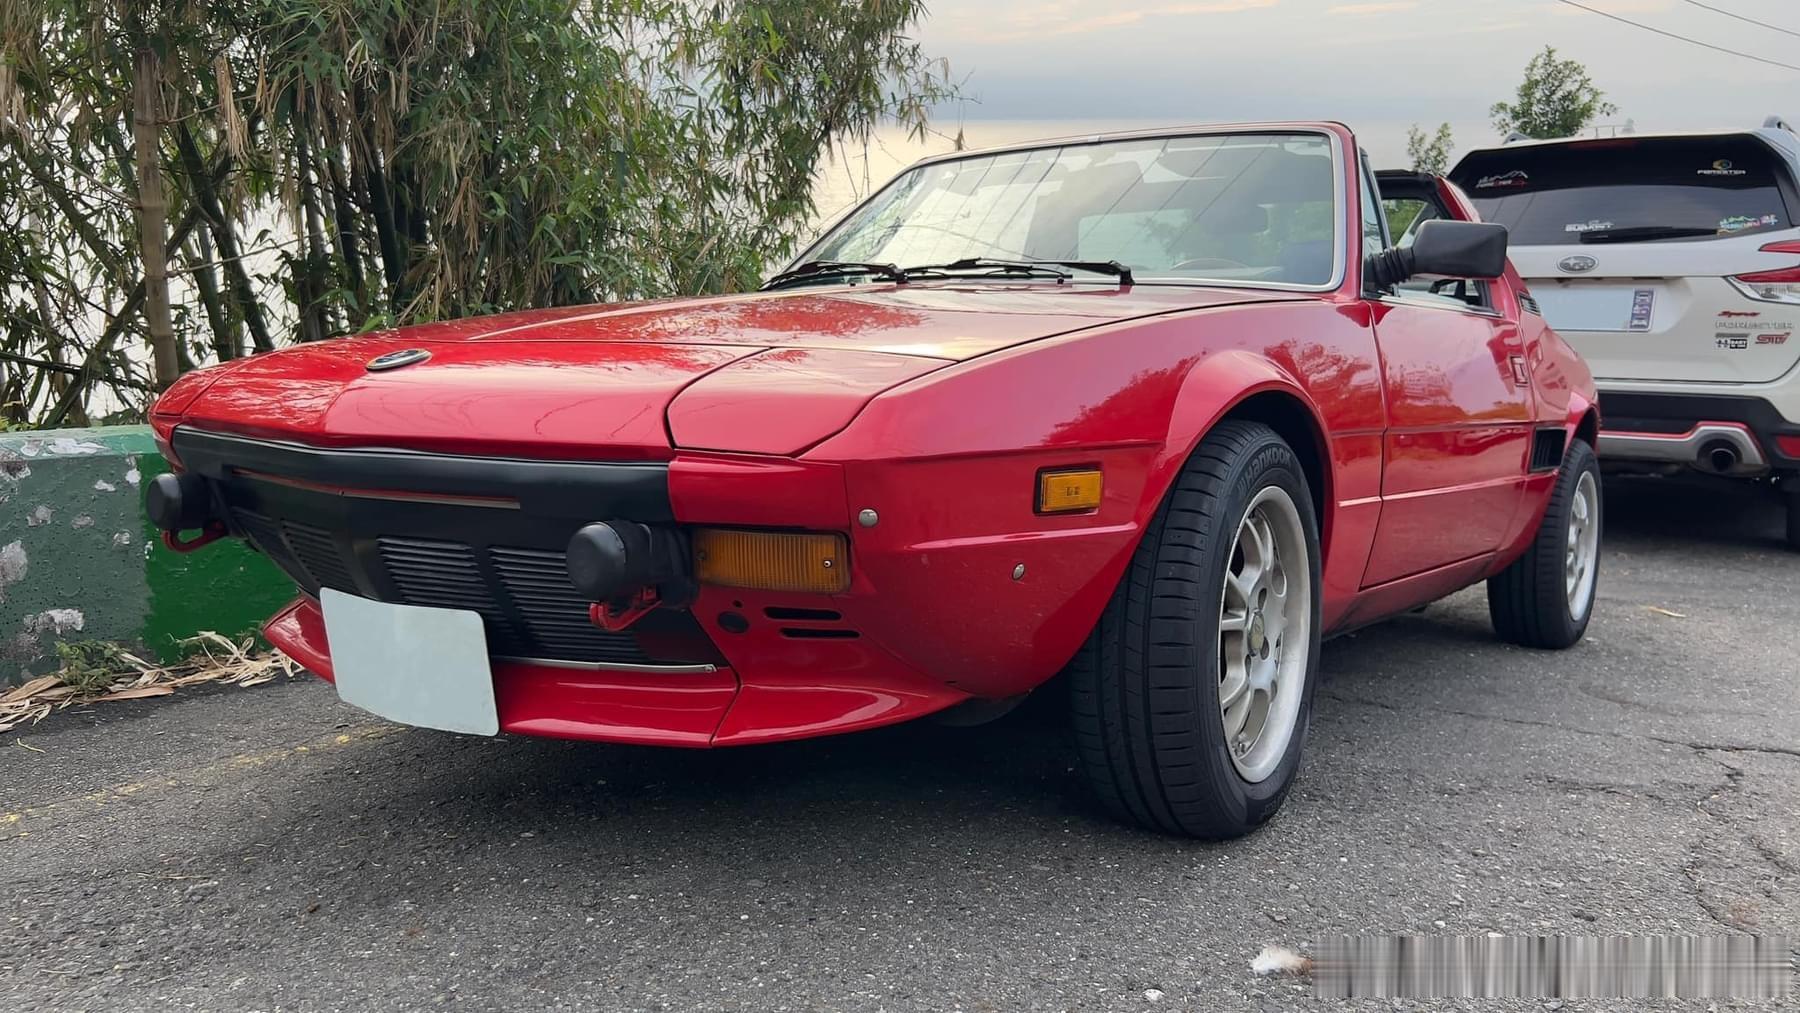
x=322, y=555
x=439, y=575
x=554, y=612
x=265, y=534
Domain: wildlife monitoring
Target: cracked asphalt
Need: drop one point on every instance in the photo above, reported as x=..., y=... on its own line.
x=273, y=849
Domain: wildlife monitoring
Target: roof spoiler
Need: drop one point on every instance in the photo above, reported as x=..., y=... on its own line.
x=1777, y=123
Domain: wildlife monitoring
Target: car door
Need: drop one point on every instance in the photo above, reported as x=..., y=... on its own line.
x=1459, y=412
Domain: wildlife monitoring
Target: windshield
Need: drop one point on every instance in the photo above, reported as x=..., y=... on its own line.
x=1245, y=208
x=1637, y=190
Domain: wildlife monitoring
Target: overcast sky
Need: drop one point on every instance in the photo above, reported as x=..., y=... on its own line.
x=1377, y=65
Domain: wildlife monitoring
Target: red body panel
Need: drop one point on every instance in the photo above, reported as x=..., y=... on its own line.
x=784, y=400
x=934, y=405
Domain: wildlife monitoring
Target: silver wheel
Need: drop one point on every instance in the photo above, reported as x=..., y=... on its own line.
x=1265, y=620
x=1579, y=569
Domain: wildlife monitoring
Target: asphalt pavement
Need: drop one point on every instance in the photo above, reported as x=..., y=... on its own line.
x=274, y=849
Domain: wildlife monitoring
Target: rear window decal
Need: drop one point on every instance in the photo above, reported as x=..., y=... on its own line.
x=1673, y=189
x=1515, y=178
x=1592, y=225
x=1737, y=223
x=1642, y=302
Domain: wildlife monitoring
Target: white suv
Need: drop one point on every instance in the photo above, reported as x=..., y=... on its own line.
x=1672, y=262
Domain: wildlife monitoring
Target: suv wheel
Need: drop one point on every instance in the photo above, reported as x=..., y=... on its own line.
x=1792, y=488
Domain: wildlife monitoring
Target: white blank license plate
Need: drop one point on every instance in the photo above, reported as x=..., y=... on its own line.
x=1597, y=307
x=418, y=666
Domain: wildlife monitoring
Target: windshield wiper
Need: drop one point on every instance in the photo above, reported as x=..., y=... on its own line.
x=815, y=269
x=1643, y=233
x=1040, y=268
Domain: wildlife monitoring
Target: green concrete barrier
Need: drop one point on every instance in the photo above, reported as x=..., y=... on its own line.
x=80, y=561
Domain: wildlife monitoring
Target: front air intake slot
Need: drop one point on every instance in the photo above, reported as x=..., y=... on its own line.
x=785, y=614
x=814, y=633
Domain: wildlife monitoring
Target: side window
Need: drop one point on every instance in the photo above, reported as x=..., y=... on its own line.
x=1404, y=214
x=1374, y=238
x=1404, y=218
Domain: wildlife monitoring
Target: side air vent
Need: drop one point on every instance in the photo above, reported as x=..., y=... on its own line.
x=1529, y=304
x=1547, y=449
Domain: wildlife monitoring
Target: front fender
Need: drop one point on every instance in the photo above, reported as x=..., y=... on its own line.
x=1228, y=382
x=960, y=576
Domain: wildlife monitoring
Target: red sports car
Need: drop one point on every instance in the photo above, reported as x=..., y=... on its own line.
x=1155, y=410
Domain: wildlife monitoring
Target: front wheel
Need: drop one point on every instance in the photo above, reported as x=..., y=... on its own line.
x=1193, y=693
x=1546, y=597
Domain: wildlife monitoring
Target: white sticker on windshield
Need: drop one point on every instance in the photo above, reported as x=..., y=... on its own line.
x=1587, y=226
x=1515, y=178
x=1737, y=223
x=1723, y=167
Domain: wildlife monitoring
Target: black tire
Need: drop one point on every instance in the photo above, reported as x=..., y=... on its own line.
x=1145, y=685
x=1792, y=488
x=1529, y=601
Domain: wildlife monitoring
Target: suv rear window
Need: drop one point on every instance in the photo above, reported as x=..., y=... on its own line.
x=1629, y=190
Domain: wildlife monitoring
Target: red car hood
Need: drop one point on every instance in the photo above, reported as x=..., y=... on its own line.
x=599, y=381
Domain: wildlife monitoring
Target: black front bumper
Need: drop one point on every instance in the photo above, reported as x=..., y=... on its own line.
x=488, y=535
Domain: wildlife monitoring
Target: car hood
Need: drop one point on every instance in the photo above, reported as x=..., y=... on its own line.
x=585, y=381
x=944, y=321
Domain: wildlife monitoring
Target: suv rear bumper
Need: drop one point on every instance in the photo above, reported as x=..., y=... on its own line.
x=1691, y=428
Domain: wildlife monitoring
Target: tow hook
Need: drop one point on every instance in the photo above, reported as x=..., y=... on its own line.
x=183, y=502
x=614, y=619
x=208, y=535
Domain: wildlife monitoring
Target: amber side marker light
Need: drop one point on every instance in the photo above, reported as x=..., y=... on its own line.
x=772, y=560
x=1067, y=490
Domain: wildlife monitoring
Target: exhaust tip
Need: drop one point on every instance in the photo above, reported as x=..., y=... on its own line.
x=1719, y=456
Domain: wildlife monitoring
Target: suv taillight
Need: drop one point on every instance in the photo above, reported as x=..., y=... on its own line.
x=1781, y=285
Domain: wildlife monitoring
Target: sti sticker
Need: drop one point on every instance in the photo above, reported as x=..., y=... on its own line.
x=1642, y=302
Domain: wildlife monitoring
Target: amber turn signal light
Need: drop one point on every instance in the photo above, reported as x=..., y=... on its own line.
x=1068, y=490
x=772, y=560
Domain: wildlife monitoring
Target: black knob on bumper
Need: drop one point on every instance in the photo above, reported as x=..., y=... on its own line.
x=179, y=502
x=611, y=562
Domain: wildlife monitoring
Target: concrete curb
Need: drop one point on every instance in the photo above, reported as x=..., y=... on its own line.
x=79, y=561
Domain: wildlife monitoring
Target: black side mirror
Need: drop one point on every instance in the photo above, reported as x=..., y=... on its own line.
x=1451, y=249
